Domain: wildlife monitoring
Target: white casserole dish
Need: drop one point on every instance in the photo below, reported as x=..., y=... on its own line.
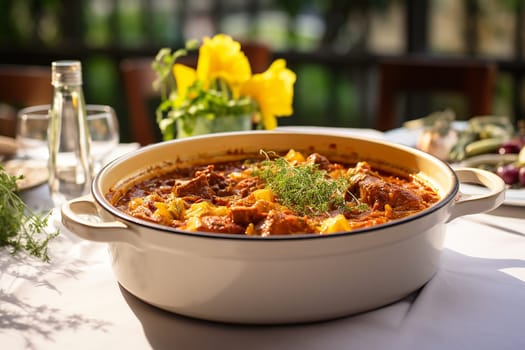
x=279, y=279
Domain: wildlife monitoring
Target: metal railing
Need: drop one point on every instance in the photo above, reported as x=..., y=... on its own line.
x=357, y=66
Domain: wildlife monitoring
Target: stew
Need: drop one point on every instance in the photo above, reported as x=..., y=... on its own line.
x=275, y=195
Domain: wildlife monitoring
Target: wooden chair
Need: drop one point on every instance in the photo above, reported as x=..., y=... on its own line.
x=473, y=79
x=22, y=86
x=137, y=77
x=141, y=99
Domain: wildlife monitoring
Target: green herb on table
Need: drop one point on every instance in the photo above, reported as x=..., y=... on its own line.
x=305, y=188
x=21, y=228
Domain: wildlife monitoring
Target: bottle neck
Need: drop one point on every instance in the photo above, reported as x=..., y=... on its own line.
x=66, y=73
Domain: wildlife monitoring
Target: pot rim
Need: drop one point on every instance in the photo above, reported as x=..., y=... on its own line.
x=104, y=203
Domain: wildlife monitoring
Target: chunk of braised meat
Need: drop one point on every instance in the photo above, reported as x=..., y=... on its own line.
x=146, y=210
x=198, y=186
x=219, y=224
x=142, y=212
x=321, y=161
x=280, y=223
x=224, y=200
x=246, y=186
x=376, y=193
x=244, y=214
x=216, y=180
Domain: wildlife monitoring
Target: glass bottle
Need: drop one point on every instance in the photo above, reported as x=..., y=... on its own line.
x=70, y=166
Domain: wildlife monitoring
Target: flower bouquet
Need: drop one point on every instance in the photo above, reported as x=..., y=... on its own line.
x=221, y=94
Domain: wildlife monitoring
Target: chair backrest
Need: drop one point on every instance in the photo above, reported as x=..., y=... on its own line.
x=22, y=86
x=138, y=76
x=473, y=79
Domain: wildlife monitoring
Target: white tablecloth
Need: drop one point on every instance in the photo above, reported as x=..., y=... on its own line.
x=475, y=301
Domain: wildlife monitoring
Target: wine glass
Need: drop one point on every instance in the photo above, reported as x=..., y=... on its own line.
x=31, y=133
x=104, y=130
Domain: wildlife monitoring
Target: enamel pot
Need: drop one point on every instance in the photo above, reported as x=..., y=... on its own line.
x=279, y=279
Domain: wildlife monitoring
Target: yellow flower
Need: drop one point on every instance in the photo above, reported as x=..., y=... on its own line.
x=273, y=92
x=221, y=58
x=185, y=77
x=222, y=85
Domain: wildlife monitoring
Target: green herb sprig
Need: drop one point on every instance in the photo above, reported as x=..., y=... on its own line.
x=21, y=228
x=304, y=187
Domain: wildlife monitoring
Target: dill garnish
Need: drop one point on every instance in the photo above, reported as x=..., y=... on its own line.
x=21, y=228
x=304, y=187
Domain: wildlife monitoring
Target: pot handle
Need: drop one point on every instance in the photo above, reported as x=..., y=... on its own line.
x=486, y=200
x=81, y=217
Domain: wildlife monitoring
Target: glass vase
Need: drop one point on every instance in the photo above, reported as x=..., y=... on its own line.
x=206, y=125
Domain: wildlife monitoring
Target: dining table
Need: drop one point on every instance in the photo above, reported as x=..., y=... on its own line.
x=475, y=300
